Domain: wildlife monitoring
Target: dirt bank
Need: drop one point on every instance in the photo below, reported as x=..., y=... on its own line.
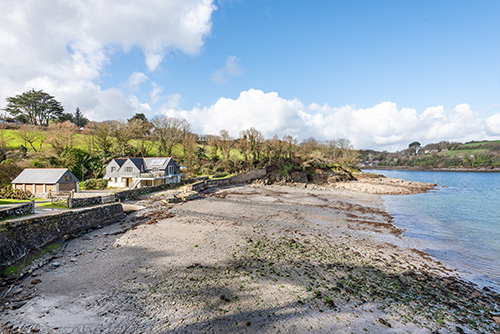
x=248, y=259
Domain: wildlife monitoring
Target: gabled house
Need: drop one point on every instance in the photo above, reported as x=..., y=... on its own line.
x=142, y=172
x=46, y=180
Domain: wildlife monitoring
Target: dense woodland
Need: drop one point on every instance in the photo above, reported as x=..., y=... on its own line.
x=36, y=132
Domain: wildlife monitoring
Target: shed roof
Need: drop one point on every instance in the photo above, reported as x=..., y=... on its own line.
x=43, y=175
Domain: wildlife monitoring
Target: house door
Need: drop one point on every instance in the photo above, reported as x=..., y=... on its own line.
x=127, y=182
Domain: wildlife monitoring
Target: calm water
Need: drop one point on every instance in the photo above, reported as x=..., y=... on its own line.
x=458, y=224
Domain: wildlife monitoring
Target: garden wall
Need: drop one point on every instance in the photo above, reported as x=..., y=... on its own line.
x=18, y=237
x=18, y=210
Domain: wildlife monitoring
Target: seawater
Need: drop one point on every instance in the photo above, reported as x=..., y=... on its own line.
x=458, y=223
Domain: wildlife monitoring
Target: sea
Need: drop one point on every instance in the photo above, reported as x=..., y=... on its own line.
x=458, y=223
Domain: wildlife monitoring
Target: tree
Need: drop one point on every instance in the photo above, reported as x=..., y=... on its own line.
x=79, y=119
x=34, y=107
x=169, y=131
x=138, y=116
x=61, y=136
x=31, y=134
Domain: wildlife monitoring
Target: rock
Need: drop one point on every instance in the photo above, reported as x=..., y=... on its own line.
x=56, y=264
x=17, y=291
x=384, y=322
x=36, y=281
x=18, y=305
x=496, y=319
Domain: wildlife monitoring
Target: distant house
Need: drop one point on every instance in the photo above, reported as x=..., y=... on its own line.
x=45, y=180
x=142, y=172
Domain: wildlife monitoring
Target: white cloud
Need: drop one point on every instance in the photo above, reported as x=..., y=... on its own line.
x=62, y=46
x=383, y=126
x=136, y=79
x=493, y=125
x=231, y=69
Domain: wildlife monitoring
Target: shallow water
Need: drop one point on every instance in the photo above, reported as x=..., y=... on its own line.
x=458, y=223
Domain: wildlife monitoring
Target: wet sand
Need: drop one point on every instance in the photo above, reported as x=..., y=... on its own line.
x=248, y=259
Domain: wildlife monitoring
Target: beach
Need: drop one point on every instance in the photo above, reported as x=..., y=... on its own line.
x=249, y=259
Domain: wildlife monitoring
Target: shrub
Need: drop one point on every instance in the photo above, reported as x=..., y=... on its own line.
x=11, y=193
x=93, y=184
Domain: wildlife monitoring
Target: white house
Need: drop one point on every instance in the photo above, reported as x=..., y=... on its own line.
x=142, y=172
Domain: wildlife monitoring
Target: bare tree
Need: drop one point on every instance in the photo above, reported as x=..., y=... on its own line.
x=61, y=135
x=103, y=136
x=169, y=131
x=31, y=134
x=140, y=130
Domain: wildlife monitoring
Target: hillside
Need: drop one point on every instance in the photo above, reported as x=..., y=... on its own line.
x=474, y=154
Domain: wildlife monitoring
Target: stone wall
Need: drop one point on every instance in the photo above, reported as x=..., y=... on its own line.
x=18, y=237
x=132, y=193
x=242, y=178
x=18, y=210
x=84, y=201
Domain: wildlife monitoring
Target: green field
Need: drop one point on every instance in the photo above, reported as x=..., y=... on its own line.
x=497, y=142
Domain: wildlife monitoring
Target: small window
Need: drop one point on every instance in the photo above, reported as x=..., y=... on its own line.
x=154, y=169
x=129, y=169
x=170, y=170
x=67, y=177
x=113, y=169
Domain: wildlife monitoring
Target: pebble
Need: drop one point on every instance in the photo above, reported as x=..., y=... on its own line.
x=56, y=264
x=36, y=281
x=496, y=319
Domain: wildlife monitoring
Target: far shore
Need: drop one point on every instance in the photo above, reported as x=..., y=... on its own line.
x=250, y=259
x=426, y=169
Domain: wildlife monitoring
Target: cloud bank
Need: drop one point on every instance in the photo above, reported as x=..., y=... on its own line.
x=384, y=126
x=63, y=46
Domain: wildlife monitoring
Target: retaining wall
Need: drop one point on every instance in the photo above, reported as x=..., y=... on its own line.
x=18, y=237
x=242, y=178
x=18, y=210
x=84, y=201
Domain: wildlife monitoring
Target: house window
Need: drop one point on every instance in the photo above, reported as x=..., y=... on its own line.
x=113, y=169
x=67, y=177
x=170, y=170
x=154, y=169
x=129, y=169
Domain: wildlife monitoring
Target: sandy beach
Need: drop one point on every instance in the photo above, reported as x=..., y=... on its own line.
x=248, y=259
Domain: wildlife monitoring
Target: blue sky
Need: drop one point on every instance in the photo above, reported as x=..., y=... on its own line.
x=380, y=73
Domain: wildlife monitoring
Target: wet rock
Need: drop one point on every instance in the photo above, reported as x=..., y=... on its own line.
x=384, y=322
x=56, y=264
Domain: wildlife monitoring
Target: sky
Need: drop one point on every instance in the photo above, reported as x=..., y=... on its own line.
x=379, y=73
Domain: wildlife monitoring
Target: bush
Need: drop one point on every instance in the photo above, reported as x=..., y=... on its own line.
x=11, y=193
x=93, y=184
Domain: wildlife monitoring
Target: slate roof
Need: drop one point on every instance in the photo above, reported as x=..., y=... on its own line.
x=43, y=176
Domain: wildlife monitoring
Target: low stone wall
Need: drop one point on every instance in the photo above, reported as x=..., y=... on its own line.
x=84, y=201
x=18, y=210
x=242, y=178
x=18, y=237
x=249, y=176
x=132, y=193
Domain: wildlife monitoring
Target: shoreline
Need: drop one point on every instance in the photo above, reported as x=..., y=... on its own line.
x=249, y=259
x=436, y=169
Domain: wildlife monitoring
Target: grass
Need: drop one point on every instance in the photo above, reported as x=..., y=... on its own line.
x=481, y=143
x=55, y=205
x=13, y=201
